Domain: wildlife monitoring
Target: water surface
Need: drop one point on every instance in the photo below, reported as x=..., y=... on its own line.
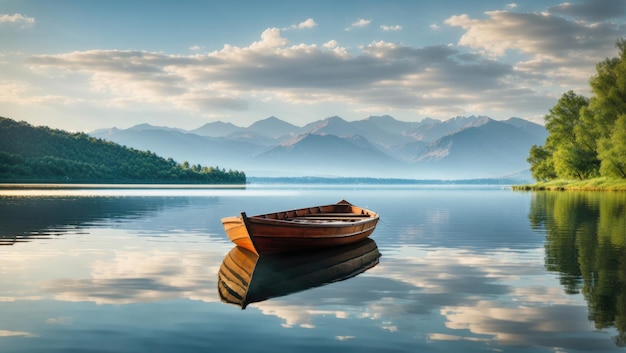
x=472, y=269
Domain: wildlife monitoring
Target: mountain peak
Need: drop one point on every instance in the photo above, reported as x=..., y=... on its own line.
x=334, y=120
x=381, y=119
x=216, y=129
x=273, y=127
x=269, y=120
x=144, y=126
x=335, y=125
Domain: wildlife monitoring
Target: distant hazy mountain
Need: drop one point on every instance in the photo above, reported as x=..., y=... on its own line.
x=329, y=155
x=379, y=146
x=216, y=129
x=273, y=127
x=492, y=149
x=195, y=149
x=438, y=129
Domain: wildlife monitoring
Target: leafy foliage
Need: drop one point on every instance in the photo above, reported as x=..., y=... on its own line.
x=612, y=151
x=30, y=153
x=541, y=163
x=587, y=137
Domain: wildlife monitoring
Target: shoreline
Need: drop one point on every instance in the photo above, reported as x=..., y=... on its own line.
x=595, y=184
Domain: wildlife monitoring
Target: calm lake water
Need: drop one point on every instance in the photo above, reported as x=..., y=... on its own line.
x=462, y=269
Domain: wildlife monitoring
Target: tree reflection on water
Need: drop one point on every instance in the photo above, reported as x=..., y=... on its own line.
x=586, y=246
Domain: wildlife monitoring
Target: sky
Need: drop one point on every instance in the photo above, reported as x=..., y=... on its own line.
x=85, y=65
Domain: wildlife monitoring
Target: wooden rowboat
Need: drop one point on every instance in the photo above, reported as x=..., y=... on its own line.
x=301, y=229
x=245, y=277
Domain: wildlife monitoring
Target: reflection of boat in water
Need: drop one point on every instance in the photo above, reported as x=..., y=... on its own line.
x=245, y=277
x=301, y=229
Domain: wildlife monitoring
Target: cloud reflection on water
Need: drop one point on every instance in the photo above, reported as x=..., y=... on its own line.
x=142, y=276
x=412, y=285
x=475, y=294
x=435, y=283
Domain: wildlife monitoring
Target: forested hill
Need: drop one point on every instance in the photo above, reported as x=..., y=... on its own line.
x=41, y=154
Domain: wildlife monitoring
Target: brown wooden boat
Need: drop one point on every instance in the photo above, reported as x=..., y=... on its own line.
x=301, y=229
x=245, y=277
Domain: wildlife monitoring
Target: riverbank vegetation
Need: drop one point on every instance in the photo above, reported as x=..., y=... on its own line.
x=41, y=154
x=586, y=144
x=594, y=184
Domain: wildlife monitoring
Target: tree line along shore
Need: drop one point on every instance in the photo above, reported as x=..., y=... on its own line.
x=586, y=144
x=39, y=154
x=594, y=184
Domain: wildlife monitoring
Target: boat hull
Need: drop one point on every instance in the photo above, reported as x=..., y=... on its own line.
x=301, y=229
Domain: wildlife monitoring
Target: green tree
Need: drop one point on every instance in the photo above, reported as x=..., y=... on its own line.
x=612, y=151
x=563, y=120
x=564, y=155
x=541, y=163
x=573, y=161
x=609, y=88
x=603, y=120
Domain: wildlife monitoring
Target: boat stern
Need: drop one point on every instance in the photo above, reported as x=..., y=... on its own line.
x=237, y=232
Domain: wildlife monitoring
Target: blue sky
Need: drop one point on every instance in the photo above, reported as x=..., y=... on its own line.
x=84, y=65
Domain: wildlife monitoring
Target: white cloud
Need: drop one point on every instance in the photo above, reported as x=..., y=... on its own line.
x=391, y=28
x=360, y=23
x=17, y=18
x=384, y=75
x=556, y=49
x=194, y=48
x=307, y=24
x=533, y=33
x=330, y=44
x=270, y=38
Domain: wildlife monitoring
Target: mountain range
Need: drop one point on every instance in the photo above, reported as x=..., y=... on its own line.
x=380, y=146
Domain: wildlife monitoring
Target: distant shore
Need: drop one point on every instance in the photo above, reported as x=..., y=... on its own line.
x=596, y=184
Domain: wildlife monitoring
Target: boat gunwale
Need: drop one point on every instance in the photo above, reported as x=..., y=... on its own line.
x=304, y=224
x=363, y=216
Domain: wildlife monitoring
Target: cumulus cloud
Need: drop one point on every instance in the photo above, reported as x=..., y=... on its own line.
x=557, y=49
x=532, y=33
x=360, y=23
x=307, y=24
x=17, y=19
x=383, y=75
x=330, y=44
